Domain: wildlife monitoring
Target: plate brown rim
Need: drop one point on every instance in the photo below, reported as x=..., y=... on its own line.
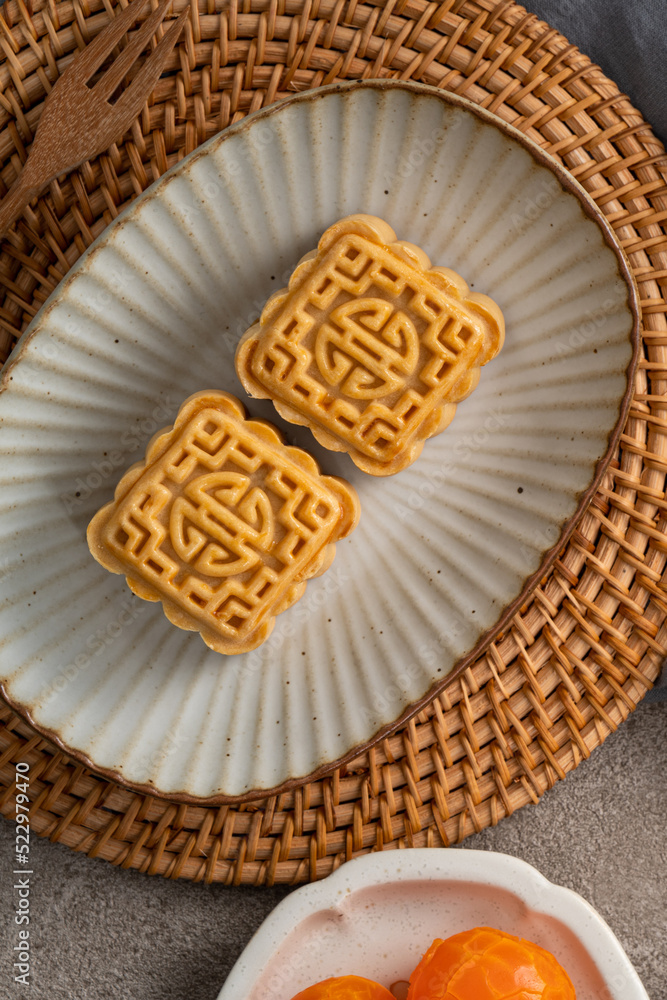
x=549, y=556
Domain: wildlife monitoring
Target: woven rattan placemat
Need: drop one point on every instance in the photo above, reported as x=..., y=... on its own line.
x=581, y=654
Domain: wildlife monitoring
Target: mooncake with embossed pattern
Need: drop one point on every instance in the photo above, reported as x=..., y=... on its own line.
x=369, y=346
x=222, y=523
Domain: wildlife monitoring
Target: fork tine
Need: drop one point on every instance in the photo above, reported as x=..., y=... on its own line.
x=94, y=54
x=131, y=101
x=127, y=58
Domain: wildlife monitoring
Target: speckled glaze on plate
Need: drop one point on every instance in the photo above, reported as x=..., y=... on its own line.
x=377, y=915
x=445, y=551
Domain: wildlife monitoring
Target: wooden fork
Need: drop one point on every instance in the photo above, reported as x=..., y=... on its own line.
x=78, y=122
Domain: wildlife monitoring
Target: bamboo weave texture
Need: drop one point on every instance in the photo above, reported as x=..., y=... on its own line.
x=580, y=655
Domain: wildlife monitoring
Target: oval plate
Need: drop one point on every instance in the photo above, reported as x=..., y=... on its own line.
x=445, y=552
x=376, y=916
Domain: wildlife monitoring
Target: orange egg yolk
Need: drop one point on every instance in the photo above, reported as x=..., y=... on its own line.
x=486, y=964
x=345, y=988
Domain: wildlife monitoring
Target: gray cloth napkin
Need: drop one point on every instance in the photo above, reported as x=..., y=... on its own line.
x=627, y=39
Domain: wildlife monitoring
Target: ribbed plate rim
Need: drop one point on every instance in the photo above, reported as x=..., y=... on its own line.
x=570, y=185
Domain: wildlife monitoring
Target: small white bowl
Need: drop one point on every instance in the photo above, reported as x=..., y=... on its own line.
x=378, y=914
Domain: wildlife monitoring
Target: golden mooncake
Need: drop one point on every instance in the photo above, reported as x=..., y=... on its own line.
x=369, y=346
x=223, y=523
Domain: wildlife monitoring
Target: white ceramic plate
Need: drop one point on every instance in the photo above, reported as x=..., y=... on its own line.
x=444, y=552
x=377, y=915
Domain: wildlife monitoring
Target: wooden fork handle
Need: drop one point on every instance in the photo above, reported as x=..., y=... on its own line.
x=18, y=198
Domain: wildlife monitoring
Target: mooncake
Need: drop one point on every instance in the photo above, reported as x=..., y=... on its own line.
x=223, y=523
x=369, y=346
